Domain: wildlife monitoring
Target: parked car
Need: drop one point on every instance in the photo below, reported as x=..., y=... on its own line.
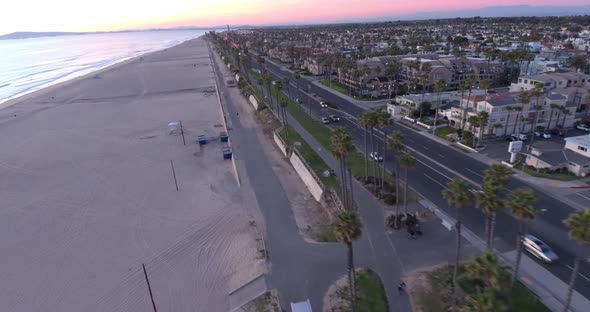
x=323, y=104
x=325, y=120
x=583, y=127
x=520, y=137
x=511, y=139
x=546, y=135
x=375, y=156
x=538, y=249
x=557, y=131
x=334, y=118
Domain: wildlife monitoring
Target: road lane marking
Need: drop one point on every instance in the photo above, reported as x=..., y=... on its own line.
x=582, y=195
x=582, y=275
x=424, y=146
x=441, y=155
x=435, y=181
x=477, y=174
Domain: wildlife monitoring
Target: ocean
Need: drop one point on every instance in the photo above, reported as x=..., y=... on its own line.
x=27, y=65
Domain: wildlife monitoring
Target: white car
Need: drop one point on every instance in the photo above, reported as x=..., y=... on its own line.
x=537, y=248
x=323, y=104
x=325, y=120
x=546, y=135
x=520, y=137
x=375, y=156
x=583, y=127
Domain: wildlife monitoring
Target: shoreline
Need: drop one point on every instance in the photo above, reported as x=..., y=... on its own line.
x=50, y=88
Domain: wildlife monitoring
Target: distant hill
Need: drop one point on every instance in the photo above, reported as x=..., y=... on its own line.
x=29, y=34
x=32, y=34
x=492, y=11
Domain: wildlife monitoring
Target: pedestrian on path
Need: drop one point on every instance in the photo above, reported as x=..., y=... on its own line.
x=401, y=287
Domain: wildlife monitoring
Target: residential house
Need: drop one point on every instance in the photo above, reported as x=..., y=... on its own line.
x=573, y=157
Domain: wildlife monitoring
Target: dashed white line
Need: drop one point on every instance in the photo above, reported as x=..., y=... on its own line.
x=477, y=174
x=441, y=155
x=435, y=181
x=582, y=275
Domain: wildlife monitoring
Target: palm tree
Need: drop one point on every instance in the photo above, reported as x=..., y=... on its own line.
x=439, y=87
x=486, y=269
x=518, y=109
x=490, y=203
x=348, y=229
x=523, y=99
x=497, y=176
x=484, y=118
x=469, y=84
x=559, y=111
x=407, y=161
x=485, y=85
x=521, y=204
x=509, y=109
x=341, y=144
x=497, y=126
x=474, y=123
x=365, y=123
x=457, y=193
x=396, y=143
x=579, y=225
x=384, y=121
x=462, y=88
x=483, y=301
x=553, y=107
x=565, y=113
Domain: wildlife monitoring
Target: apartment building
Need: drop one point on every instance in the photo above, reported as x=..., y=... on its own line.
x=551, y=81
x=504, y=119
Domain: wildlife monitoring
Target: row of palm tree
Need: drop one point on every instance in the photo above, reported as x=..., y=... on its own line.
x=521, y=203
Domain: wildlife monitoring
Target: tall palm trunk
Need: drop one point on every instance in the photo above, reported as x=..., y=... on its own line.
x=516, y=122
x=384, y=160
x=406, y=190
x=572, y=282
x=350, y=190
x=506, y=125
x=366, y=155
x=343, y=183
x=518, y=252
x=373, y=163
x=557, y=119
x=492, y=230
x=457, y=256
x=351, y=276
x=487, y=229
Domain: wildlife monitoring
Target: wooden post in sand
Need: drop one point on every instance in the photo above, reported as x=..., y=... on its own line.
x=182, y=132
x=174, y=175
x=149, y=288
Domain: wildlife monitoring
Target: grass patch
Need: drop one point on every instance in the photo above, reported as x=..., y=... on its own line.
x=560, y=176
x=314, y=160
x=438, y=296
x=370, y=291
x=443, y=131
x=325, y=234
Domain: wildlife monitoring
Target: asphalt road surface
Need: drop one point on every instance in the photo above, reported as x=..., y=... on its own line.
x=439, y=164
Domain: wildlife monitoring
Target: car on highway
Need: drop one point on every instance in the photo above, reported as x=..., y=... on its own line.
x=323, y=104
x=375, y=156
x=334, y=118
x=325, y=120
x=538, y=248
x=583, y=127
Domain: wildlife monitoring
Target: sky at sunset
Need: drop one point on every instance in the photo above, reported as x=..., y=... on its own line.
x=105, y=15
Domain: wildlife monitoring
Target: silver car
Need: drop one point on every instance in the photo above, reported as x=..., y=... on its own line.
x=538, y=249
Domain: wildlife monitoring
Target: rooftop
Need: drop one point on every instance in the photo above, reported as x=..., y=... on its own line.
x=581, y=140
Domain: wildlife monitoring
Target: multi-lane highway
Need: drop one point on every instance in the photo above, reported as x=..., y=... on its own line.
x=439, y=164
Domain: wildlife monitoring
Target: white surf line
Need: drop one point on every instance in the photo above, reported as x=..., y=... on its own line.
x=582, y=195
x=477, y=174
x=435, y=181
x=582, y=275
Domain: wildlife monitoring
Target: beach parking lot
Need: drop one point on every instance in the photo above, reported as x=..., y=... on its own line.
x=87, y=193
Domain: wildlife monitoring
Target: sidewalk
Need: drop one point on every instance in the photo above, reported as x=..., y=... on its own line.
x=366, y=105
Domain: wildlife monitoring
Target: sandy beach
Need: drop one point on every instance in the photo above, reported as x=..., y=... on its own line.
x=87, y=193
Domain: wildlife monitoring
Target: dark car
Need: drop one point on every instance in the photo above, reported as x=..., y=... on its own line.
x=556, y=131
x=334, y=118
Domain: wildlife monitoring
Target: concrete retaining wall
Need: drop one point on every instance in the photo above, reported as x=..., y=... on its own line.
x=308, y=179
x=282, y=146
x=253, y=101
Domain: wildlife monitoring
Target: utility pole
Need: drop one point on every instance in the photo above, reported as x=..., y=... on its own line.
x=149, y=288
